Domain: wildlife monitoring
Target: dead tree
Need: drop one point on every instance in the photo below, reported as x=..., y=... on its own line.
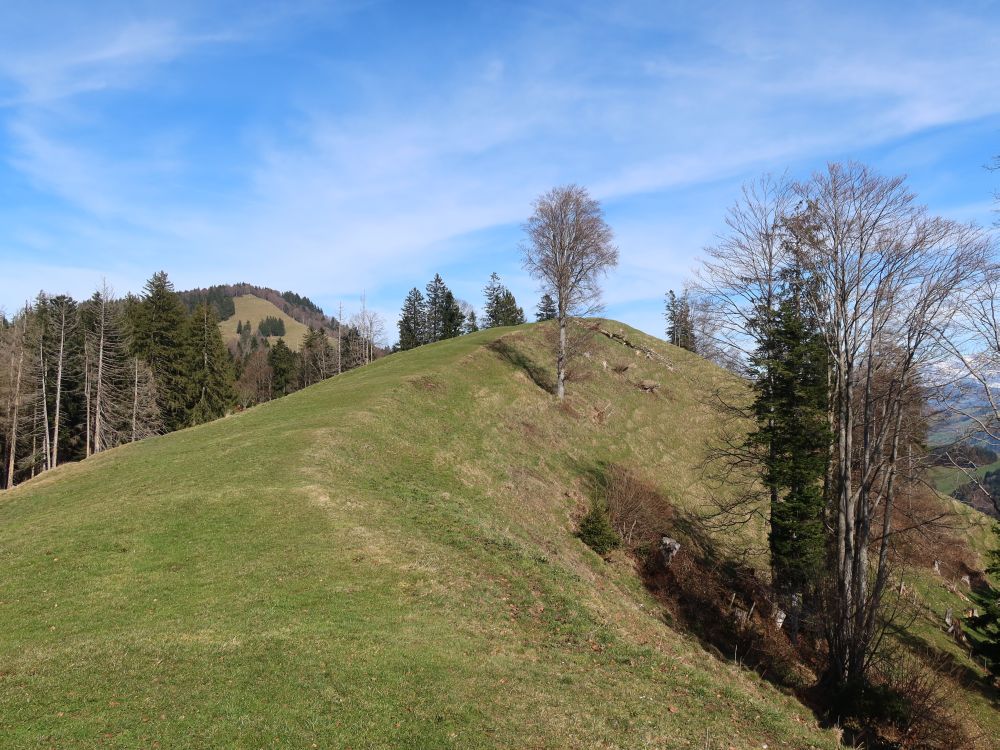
x=17, y=344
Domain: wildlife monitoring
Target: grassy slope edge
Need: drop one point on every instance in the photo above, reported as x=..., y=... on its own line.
x=385, y=559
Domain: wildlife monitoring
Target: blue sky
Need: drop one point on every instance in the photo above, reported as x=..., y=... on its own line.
x=334, y=148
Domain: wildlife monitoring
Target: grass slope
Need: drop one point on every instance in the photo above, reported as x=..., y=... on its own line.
x=385, y=559
x=947, y=479
x=255, y=309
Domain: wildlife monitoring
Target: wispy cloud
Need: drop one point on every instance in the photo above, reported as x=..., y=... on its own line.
x=369, y=155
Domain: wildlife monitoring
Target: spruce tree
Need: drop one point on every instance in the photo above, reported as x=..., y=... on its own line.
x=158, y=326
x=412, y=321
x=792, y=437
x=451, y=316
x=471, y=325
x=284, y=367
x=209, y=368
x=546, y=309
x=507, y=312
x=436, y=300
x=988, y=623
x=492, y=294
x=680, y=325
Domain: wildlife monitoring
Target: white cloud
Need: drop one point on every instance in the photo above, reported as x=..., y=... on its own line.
x=373, y=195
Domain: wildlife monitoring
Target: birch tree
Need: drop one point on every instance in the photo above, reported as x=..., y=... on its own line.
x=569, y=248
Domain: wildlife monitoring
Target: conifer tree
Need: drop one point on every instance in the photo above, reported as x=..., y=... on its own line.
x=471, y=325
x=158, y=338
x=501, y=307
x=491, y=294
x=793, y=437
x=436, y=300
x=317, y=359
x=508, y=313
x=680, y=325
x=209, y=368
x=412, y=321
x=546, y=309
x=451, y=316
x=988, y=622
x=284, y=366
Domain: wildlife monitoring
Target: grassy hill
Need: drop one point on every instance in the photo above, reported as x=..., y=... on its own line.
x=386, y=559
x=255, y=309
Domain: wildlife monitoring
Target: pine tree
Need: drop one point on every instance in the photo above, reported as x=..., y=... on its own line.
x=412, y=321
x=546, y=309
x=158, y=330
x=209, y=368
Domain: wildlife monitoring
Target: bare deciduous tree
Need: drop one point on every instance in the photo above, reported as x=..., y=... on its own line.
x=740, y=276
x=887, y=284
x=568, y=249
x=371, y=331
x=890, y=283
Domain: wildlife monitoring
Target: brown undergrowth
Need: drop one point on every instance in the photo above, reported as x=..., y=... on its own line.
x=735, y=613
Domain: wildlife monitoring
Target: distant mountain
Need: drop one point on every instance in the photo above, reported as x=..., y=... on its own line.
x=296, y=306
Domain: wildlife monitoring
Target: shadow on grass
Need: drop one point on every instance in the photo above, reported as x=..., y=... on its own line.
x=508, y=351
x=719, y=600
x=963, y=673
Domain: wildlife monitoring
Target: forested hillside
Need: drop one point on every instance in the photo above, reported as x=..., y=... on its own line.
x=80, y=377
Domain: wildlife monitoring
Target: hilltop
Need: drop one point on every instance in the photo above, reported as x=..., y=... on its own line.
x=238, y=303
x=249, y=307
x=388, y=559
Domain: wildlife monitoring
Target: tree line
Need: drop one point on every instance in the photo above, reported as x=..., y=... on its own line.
x=80, y=377
x=436, y=314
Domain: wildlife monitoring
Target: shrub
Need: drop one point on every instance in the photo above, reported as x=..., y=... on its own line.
x=597, y=532
x=637, y=510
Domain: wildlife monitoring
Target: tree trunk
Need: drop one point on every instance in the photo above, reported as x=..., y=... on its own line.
x=59, y=378
x=14, y=411
x=87, y=399
x=99, y=395
x=561, y=358
x=135, y=396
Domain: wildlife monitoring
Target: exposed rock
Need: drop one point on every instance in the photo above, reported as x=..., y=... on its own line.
x=649, y=386
x=779, y=617
x=667, y=551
